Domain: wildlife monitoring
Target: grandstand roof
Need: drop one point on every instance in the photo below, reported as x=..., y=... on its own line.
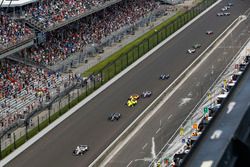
x=16, y=3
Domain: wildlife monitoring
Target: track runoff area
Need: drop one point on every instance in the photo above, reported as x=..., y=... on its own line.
x=76, y=108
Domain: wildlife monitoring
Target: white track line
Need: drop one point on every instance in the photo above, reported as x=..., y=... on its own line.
x=145, y=145
x=158, y=130
x=129, y=163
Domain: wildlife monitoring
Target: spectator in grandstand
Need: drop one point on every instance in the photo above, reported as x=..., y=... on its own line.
x=23, y=88
x=12, y=32
x=61, y=44
x=57, y=11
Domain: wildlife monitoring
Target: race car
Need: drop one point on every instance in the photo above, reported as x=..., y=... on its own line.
x=134, y=96
x=196, y=46
x=114, y=116
x=131, y=102
x=146, y=94
x=164, y=76
x=220, y=14
x=209, y=32
x=190, y=51
x=227, y=14
x=225, y=8
x=80, y=150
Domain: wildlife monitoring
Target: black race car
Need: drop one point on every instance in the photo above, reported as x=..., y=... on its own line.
x=164, y=76
x=114, y=116
x=80, y=150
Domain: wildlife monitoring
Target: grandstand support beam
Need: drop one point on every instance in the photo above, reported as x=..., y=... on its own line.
x=1, y=3
x=15, y=49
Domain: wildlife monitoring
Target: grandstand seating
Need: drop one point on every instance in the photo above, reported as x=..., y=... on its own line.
x=61, y=44
x=45, y=15
x=18, y=101
x=12, y=32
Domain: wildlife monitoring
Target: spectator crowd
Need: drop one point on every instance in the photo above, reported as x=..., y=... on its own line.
x=72, y=38
x=12, y=32
x=22, y=84
x=53, y=12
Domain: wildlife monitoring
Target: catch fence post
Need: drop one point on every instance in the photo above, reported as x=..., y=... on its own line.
x=38, y=123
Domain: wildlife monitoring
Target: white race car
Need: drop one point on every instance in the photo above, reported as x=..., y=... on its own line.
x=146, y=93
x=227, y=14
x=209, y=32
x=80, y=150
x=220, y=14
x=190, y=51
x=224, y=9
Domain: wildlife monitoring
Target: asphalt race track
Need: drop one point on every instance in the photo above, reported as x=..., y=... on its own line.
x=163, y=124
x=90, y=125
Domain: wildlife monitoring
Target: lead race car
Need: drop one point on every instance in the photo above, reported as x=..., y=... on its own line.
x=80, y=150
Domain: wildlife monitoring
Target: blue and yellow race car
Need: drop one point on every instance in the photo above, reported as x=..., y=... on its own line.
x=132, y=100
x=131, y=103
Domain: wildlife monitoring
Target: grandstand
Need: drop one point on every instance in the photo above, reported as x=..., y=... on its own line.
x=40, y=39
